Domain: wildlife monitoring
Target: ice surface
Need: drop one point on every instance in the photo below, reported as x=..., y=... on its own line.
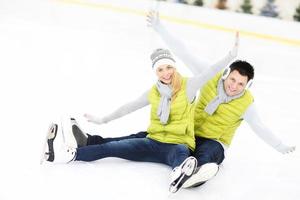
x=61, y=58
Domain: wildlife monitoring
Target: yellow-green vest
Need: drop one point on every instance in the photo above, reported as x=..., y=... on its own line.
x=222, y=124
x=180, y=126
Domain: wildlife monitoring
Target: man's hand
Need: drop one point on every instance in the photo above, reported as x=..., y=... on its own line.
x=284, y=149
x=235, y=48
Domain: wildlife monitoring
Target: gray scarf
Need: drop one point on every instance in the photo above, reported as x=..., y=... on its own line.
x=222, y=97
x=163, y=110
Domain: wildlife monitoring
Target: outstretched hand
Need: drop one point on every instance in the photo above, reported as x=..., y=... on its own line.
x=93, y=119
x=235, y=48
x=284, y=149
x=153, y=19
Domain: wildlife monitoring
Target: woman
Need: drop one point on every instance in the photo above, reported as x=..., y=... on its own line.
x=170, y=135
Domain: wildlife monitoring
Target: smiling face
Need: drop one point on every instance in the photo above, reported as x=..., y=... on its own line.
x=165, y=73
x=235, y=83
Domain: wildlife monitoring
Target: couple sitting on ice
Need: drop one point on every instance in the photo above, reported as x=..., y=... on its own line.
x=190, y=135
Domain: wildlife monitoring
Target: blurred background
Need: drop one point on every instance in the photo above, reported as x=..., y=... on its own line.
x=281, y=9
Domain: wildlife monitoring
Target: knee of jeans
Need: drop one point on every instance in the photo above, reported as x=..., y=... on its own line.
x=182, y=149
x=209, y=157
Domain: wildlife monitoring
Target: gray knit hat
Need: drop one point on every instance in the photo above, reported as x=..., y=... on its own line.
x=160, y=57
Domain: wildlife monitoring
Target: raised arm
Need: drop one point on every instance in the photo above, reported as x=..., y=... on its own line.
x=196, y=82
x=132, y=106
x=193, y=62
x=252, y=118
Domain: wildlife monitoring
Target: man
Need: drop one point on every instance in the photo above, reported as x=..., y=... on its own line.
x=224, y=102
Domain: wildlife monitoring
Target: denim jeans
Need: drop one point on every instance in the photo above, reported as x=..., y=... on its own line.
x=136, y=149
x=96, y=139
x=207, y=150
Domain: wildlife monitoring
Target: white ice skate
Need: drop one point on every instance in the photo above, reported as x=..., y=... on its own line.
x=55, y=149
x=182, y=173
x=201, y=175
x=65, y=154
x=72, y=133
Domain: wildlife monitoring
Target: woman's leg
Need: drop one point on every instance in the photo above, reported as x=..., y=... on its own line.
x=83, y=139
x=96, y=139
x=138, y=149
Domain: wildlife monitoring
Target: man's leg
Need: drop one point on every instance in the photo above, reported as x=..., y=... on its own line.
x=208, y=151
x=209, y=154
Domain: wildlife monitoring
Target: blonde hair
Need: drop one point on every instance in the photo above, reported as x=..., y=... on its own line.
x=176, y=84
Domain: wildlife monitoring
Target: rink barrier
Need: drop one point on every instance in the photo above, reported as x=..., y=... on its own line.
x=182, y=21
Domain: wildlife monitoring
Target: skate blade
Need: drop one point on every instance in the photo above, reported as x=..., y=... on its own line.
x=174, y=187
x=187, y=170
x=51, y=134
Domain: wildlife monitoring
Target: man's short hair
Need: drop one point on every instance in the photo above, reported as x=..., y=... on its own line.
x=243, y=67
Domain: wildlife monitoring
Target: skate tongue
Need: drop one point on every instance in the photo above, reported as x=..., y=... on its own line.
x=67, y=133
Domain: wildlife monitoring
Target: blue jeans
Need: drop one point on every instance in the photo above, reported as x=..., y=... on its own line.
x=96, y=139
x=207, y=150
x=136, y=149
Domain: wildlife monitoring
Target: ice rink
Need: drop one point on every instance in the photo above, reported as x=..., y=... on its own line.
x=63, y=58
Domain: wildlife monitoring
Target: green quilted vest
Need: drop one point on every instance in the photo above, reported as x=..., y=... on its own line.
x=180, y=126
x=222, y=125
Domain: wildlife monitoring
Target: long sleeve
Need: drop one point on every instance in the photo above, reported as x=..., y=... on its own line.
x=196, y=82
x=201, y=69
x=138, y=103
x=194, y=63
x=252, y=118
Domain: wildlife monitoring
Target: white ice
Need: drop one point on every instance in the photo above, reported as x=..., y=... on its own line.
x=66, y=58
